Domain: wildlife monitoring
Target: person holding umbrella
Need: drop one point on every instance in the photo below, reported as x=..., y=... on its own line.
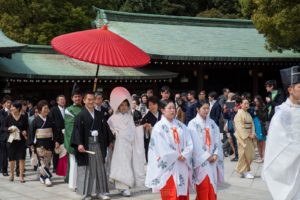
x=70, y=113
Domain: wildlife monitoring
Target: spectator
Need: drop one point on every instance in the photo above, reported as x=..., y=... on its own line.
x=99, y=105
x=4, y=112
x=149, y=93
x=57, y=114
x=202, y=96
x=260, y=119
x=165, y=92
x=137, y=115
x=275, y=97
x=143, y=105
x=215, y=108
x=223, y=98
x=180, y=114
x=245, y=134
x=230, y=110
x=16, y=126
x=191, y=107
x=149, y=120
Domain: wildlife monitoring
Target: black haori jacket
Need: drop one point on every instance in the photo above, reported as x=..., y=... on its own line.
x=83, y=125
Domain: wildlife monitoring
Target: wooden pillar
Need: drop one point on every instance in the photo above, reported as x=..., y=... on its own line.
x=200, y=79
x=254, y=82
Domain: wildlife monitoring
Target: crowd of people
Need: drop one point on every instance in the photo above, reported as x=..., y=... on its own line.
x=183, y=141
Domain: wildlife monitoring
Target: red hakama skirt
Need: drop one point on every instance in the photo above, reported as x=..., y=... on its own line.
x=169, y=191
x=62, y=165
x=205, y=190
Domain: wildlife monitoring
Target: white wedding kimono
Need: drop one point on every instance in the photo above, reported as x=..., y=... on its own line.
x=281, y=169
x=128, y=158
x=201, y=152
x=163, y=157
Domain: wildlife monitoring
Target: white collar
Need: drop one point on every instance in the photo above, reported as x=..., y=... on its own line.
x=212, y=102
x=166, y=121
x=201, y=120
x=92, y=113
x=44, y=119
x=155, y=114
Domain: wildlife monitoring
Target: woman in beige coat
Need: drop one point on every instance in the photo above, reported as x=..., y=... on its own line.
x=245, y=134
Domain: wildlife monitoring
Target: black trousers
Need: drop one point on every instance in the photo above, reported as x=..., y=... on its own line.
x=55, y=158
x=3, y=157
x=146, y=145
x=235, y=145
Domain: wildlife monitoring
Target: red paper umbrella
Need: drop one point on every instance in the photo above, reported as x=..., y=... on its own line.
x=102, y=47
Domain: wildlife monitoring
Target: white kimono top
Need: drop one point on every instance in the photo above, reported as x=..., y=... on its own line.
x=163, y=156
x=201, y=152
x=281, y=169
x=128, y=158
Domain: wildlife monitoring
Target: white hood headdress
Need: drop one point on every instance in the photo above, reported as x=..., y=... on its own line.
x=117, y=96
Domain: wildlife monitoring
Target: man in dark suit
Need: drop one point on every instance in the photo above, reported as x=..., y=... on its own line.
x=4, y=112
x=275, y=97
x=215, y=107
x=57, y=114
x=99, y=105
x=137, y=115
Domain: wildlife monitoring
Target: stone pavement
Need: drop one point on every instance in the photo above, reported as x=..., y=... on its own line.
x=234, y=188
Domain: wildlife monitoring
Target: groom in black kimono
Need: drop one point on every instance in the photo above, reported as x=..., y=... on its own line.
x=91, y=133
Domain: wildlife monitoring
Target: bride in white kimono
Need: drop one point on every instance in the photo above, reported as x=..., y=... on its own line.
x=169, y=167
x=208, y=166
x=128, y=158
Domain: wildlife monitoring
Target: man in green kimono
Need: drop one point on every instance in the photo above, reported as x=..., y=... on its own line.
x=70, y=113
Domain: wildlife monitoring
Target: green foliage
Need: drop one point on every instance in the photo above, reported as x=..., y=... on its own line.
x=135, y=6
x=279, y=21
x=227, y=6
x=221, y=9
x=211, y=13
x=247, y=8
x=215, y=13
x=37, y=22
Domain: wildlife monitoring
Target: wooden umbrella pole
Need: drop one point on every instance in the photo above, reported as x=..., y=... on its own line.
x=96, y=79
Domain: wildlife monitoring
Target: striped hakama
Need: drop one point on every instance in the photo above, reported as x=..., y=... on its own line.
x=91, y=179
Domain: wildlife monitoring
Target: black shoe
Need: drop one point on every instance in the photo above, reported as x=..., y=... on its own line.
x=54, y=171
x=234, y=159
x=5, y=174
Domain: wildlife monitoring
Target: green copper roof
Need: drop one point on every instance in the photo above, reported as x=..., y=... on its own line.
x=31, y=63
x=8, y=46
x=192, y=38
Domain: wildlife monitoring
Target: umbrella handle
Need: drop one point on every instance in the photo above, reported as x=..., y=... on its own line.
x=95, y=84
x=96, y=79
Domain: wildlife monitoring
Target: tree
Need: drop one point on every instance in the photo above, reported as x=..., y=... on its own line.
x=221, y=9
x=279, y=21
x=37, y=22
x=227, y=6
x=247, y=8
